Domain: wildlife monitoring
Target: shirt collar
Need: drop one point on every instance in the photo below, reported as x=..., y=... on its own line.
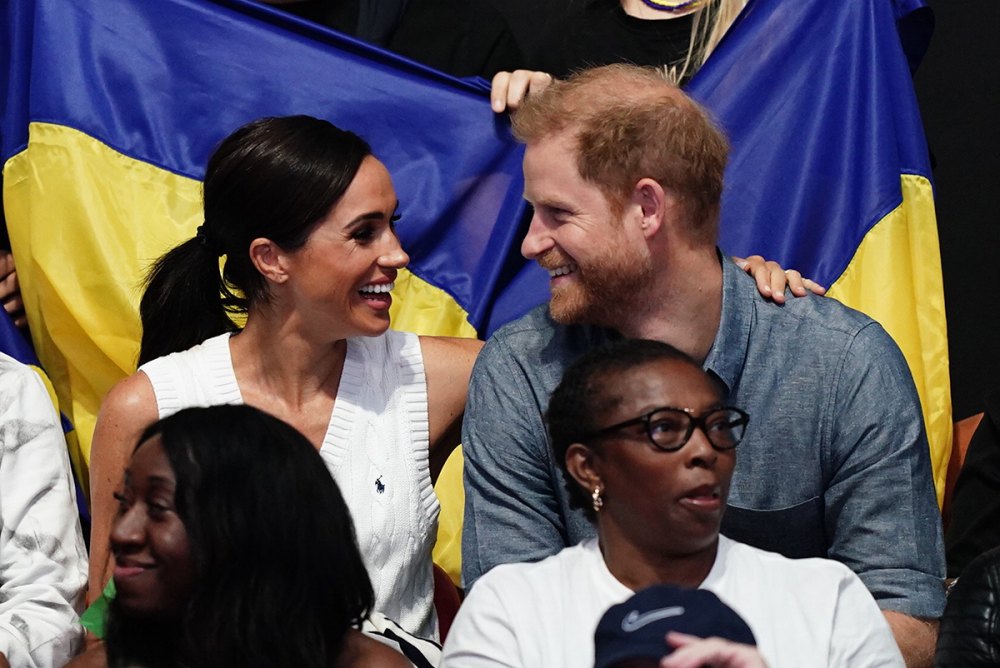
x=729, y=350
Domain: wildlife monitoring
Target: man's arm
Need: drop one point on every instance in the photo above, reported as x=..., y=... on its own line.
x=881, y=510
x=43, y=564
x=916, y=637
x=512, y=512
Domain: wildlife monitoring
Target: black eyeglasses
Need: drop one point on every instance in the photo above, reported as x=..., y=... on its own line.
x=669, y=429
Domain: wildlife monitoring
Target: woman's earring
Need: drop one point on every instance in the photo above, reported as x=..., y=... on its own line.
x=598, y=501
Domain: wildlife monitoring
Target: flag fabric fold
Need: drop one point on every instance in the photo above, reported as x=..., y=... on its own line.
x=830, y=172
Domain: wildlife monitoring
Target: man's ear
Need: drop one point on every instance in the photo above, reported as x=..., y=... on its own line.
x=583, y=464
x=656, y=204
x=270, y=259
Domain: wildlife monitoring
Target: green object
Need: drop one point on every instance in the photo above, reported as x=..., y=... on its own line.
x=94, y=618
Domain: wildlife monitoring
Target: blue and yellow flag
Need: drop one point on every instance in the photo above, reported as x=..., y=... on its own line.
x=830, y=172
x=111, y=108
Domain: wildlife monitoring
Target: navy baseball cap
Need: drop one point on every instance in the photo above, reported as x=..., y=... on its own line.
x=637, y=628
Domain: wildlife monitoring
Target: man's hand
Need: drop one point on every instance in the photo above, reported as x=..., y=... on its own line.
x=510, y=88
x=10, y=292
x=915, y=636
x=772, y=279
x=694, y=652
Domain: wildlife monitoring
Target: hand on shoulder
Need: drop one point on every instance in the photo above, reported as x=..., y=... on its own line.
x=772, y=279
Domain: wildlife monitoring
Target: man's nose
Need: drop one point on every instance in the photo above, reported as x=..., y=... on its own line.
x=538, y=240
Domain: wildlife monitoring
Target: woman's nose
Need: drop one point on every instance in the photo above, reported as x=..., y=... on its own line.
x=699, y=449
x=394, y=255
x=129, y=528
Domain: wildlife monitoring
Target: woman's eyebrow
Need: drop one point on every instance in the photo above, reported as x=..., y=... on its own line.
x=371, y=215
x=161, y=481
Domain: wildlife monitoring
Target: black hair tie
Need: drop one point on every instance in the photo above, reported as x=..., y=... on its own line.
x=202, y=235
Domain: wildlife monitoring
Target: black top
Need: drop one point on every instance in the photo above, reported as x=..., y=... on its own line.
x=975, y=505
x=461, y=37
x=970, y=628
x=601, y=33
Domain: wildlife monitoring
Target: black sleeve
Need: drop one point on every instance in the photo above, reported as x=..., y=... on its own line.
x=975, y=510
x=969, y=634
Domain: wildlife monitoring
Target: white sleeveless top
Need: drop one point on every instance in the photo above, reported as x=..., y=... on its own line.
x=376, y=447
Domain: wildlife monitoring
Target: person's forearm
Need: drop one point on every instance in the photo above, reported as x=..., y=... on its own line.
x=916, y=638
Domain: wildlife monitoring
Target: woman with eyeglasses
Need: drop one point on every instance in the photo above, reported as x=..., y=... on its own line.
x=647, y=445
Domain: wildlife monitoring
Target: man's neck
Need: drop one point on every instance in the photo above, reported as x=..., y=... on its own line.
x=683, y=306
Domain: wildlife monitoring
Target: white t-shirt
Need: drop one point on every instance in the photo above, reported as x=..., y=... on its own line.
x=803, y=612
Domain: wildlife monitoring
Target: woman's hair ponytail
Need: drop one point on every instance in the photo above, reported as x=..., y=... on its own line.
x=183, y=302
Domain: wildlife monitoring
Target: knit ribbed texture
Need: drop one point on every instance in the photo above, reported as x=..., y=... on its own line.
x=376, y=448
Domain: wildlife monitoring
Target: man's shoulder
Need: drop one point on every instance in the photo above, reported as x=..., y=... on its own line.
x=826, y=316
x=814, y=322
x=806, y=338
x=535, y=322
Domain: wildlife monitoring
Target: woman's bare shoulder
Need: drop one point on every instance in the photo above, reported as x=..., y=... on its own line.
x=360, y=651
x=131, y=402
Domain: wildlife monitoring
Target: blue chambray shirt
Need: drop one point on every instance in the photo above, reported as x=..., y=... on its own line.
x=834, y=463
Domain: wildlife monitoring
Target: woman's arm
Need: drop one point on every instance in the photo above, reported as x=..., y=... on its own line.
x=127, y=409
x=447, y=365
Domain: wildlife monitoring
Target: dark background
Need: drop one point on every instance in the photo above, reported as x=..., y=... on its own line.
x=958, y=86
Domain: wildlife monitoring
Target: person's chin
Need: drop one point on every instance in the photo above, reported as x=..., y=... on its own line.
x=568, y=307
x=373, y=325
x=137, y=604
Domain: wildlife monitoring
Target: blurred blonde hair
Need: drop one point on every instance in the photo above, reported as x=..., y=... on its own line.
x=710, y=23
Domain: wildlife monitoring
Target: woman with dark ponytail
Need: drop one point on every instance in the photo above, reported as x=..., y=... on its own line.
x=303, y=217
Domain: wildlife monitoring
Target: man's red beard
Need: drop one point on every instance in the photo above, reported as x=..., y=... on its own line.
x=603, y=290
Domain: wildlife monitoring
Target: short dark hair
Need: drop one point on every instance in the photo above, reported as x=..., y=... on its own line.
x=280, y=580
x=274, y=178
x=588, y=390
x=629, y=123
